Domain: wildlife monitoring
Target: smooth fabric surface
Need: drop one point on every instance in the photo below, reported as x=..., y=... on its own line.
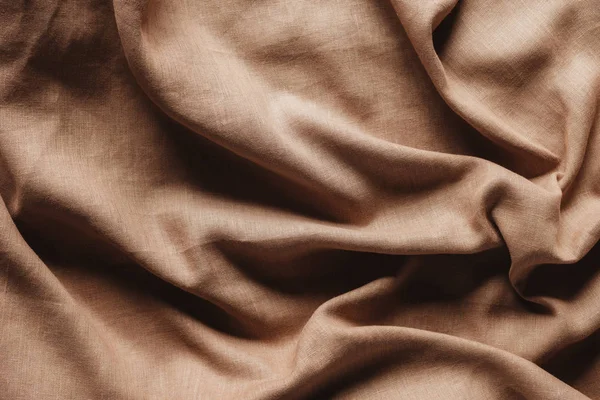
x=276, y=199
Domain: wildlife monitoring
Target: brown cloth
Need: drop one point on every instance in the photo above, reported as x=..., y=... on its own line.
x=299, y=199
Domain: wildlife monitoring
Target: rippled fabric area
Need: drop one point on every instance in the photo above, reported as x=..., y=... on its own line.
x=276, y=199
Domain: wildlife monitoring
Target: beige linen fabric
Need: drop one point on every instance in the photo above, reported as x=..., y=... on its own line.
x=276, y=199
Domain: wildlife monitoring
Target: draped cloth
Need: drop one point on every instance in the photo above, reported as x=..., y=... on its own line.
x=275, y=199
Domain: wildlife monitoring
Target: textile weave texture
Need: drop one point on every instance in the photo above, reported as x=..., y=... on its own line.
x=299, y=199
